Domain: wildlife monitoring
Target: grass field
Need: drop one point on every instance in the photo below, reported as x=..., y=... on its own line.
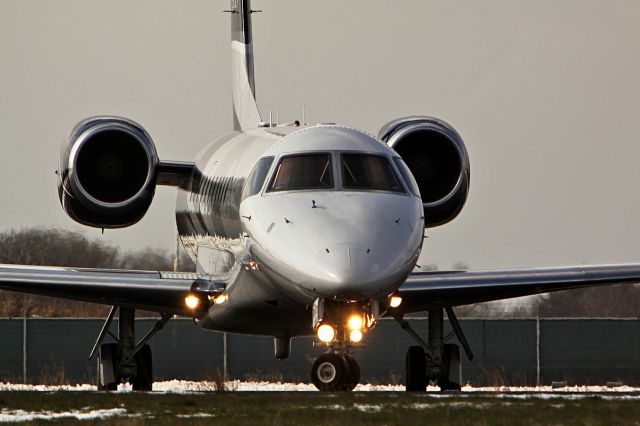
x=314, y=408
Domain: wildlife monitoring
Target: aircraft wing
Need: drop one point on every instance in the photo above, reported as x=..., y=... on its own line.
x=154, y=291
x=424, y=290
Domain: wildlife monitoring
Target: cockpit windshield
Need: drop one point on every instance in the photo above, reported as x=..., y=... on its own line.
x=362, y=171
x=303, y=171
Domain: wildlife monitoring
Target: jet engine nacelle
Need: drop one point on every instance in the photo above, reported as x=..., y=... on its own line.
x=437, y=158
x=108, y=170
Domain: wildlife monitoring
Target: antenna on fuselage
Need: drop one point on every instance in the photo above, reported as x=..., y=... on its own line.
x=304, y=115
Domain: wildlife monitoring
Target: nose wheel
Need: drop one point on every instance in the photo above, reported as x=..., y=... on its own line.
x=335, y=372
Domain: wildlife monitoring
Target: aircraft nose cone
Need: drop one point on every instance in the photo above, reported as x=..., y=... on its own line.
x=348, y=269
x=347, y=260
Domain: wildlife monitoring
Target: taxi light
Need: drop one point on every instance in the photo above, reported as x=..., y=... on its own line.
x=326, y=333
x=395, y=301
x=192, y=301
x=355, y=336
x=220, y=299
x=252, y=266
x=355, y=322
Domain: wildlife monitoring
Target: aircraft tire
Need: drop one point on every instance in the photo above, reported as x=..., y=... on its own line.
x=447, y=386
x=330, y=373
x=451, y=360
x=143, y=382
x=416, y=369
x=108, y=378
x=354, y=372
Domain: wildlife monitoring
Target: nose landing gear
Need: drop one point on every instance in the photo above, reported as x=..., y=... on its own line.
x=334, y=372
x=340, y=326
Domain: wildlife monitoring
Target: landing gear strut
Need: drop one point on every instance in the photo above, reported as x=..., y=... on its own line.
x=125, y=360
x=340, y=326
x=435, y=361
x=334, y=372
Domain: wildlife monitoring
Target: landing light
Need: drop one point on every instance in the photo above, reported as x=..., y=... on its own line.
x=252, y=266
x=355, y=336
x=355, y=322
x=326, y=333
x=395, y=301
x=192, y=301
x=220, y=299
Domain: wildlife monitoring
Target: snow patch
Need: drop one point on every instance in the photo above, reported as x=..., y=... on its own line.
x=455, y=404
x=537, y=389
x=335, y=407
x=45, y=388
x=14, y=416
x=368, y=408
x=195, y=415
x=186, y=386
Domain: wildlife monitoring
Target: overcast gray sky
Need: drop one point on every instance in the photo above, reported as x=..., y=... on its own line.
x=545, y=94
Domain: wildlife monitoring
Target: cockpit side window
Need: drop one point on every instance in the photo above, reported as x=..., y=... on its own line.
x=256, y=178
x=303, y=171
x=373, y=172
x=407, y=176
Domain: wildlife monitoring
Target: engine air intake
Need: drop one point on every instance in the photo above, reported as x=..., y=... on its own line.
x=437, y=158
x=108, y=172
x=112, y=166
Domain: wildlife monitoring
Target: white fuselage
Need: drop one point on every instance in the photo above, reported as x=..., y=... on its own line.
x=295, y=242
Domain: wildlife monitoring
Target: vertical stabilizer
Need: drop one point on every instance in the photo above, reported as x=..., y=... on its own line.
x=245, y=110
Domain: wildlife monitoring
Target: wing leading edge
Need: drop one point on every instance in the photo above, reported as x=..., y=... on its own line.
x=154, y=291
x=426, y=290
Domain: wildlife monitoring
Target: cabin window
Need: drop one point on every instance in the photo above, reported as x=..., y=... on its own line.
x=407, y=176
x=303, y=171
x=369, y=172
x=256, y=177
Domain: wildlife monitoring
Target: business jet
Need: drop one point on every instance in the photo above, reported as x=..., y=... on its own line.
x=296, y=230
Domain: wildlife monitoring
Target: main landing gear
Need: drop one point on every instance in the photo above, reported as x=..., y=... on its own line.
x=436, y=361
x=333, y=372
x=126, y=360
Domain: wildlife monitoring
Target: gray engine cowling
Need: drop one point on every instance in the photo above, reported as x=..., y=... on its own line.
x=107, y=174
x=438, y=159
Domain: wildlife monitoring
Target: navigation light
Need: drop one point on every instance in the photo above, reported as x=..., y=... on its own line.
x=395, y=301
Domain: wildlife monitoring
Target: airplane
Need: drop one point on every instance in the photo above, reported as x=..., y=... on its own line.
x=296, y=230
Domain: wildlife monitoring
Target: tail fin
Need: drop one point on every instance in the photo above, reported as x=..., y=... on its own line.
x=245, y=110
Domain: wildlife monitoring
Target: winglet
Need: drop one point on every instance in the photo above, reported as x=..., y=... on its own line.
x=245, y=110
